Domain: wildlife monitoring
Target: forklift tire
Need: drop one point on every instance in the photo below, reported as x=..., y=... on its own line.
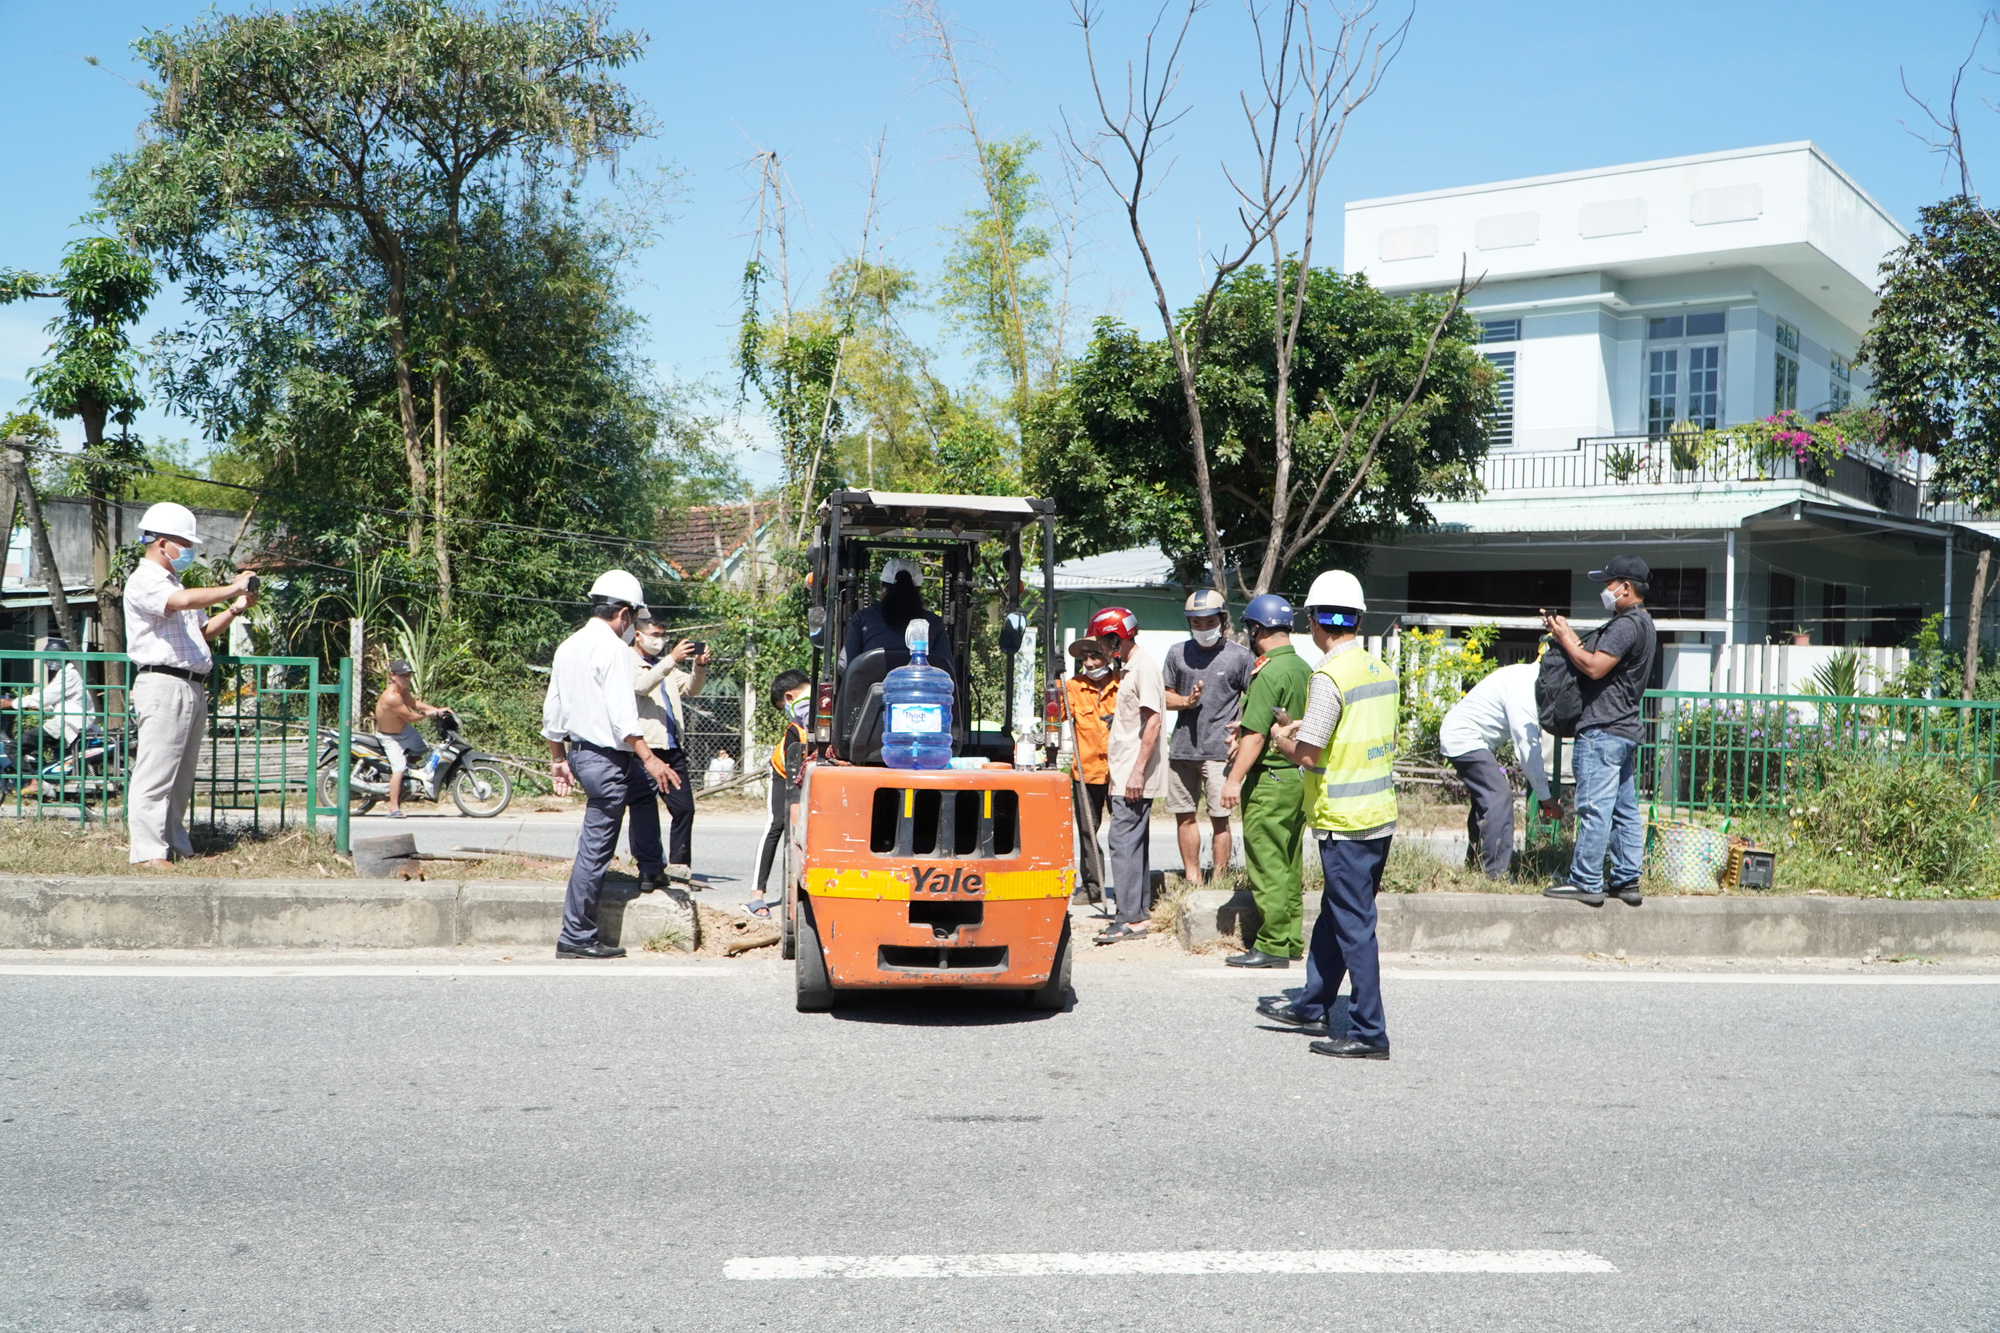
x=788, y=940
x=815, y=988
x=1053, y=994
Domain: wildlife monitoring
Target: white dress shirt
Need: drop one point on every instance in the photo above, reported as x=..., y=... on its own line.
x=1498, y=709
x=155, y=636
x=590, y=689
x=61, y=702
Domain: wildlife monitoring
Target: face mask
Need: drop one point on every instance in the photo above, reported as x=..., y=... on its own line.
x=1609, y=598
x=183, y=560
x=629, y=633
x=800, y=709
x=1097, y=673
x=1207, y=638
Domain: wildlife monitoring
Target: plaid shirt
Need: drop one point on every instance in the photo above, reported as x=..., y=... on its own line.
x=155, y=636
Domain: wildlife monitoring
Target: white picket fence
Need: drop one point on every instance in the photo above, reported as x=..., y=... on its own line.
x=1767, y=668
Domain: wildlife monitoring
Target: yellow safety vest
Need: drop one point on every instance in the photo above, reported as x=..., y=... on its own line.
x=1355, y=787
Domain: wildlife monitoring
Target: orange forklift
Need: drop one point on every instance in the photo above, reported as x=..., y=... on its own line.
x=908, y=879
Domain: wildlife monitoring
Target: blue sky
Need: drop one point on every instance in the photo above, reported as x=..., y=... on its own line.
x=1480, y=92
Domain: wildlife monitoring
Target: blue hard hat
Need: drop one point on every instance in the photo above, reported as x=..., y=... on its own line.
x=1270, y=610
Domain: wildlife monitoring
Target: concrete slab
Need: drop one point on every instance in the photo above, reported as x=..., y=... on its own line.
x=1787, y=927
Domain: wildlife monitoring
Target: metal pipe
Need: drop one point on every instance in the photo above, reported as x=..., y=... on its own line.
x=1950, y=552
x=1729, y=585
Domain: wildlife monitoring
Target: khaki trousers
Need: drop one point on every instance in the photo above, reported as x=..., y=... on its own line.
x=173, y=722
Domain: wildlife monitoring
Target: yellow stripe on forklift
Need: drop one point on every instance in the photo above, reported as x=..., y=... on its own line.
x=894, y=885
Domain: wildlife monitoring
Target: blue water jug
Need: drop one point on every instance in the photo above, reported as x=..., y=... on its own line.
x=916, y=731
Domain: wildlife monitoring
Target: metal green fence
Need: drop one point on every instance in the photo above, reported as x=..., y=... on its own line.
x=67, y=734
x=1742, y=752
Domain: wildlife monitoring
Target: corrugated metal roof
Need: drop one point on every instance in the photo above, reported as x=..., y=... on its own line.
x=1709, y=509
x=1136, y=567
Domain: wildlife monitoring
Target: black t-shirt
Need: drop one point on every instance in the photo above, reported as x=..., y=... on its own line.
x=1613, y=702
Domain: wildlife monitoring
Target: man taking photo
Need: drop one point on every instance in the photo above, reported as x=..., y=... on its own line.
x=1612, y=664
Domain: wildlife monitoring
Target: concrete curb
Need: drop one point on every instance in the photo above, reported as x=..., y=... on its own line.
x=66, y=913
x=1789, y=927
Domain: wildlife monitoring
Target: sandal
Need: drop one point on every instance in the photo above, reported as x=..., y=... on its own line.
x=759, y=908
x=1121, y=932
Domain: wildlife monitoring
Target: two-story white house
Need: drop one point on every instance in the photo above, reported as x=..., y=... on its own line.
x=1618, y=302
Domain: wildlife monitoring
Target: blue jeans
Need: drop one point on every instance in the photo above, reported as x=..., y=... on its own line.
x=1607, y=810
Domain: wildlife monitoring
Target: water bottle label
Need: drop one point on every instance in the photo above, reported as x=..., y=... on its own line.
x=916, y=717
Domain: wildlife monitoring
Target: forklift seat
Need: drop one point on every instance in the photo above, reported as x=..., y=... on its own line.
x=857, y=704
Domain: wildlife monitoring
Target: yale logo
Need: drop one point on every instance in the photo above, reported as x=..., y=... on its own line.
x=939, y=882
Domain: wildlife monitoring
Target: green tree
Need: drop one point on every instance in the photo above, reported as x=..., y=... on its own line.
x=1934, y=348
x=1390, y=410
x=340, y=155
x=93, y=376
x=558, y=428
x=990, y=286
x=993, y=285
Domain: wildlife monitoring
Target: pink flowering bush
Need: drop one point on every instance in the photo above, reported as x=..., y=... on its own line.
x=1790, y=435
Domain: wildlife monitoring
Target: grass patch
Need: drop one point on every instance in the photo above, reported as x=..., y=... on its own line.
x=1413, y=868
x=60, y=847
x=1891, y=828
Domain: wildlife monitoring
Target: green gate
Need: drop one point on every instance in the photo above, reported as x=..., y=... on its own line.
x=72, y=733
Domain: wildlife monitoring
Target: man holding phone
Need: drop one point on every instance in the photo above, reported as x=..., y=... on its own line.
x=662, y=680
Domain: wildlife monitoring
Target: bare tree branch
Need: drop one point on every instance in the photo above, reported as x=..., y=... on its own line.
x=1311, y=527
x=1308, y=92
x=1136, y=133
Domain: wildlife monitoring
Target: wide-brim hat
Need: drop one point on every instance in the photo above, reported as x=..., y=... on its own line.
x=1083, y=647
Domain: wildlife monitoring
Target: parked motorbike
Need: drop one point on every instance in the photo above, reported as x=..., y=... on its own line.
x=92, y=764
x=478, y=784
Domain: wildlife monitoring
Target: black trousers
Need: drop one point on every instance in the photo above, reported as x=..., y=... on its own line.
x=680, y=808
x=780, y=806
x=1094, y=794
x=1489, y=825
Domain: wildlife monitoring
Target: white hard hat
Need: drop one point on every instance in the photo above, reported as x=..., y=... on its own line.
x=1338, y=588
x=615, y=585
x=902, y=566
x=167, y=519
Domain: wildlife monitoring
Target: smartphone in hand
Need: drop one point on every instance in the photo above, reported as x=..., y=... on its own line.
x=1280, y=716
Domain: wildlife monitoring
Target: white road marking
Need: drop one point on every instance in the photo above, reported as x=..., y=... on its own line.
x=1182, y=1263
x=312, y=971
x=1652, y=978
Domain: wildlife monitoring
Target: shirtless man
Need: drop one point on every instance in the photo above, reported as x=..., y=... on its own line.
x=396, y=713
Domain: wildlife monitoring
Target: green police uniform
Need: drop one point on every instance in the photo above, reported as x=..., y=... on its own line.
x=1274, y=811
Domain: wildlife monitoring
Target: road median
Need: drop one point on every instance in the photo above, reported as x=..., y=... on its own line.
x=1704, y=927
x=60, y=912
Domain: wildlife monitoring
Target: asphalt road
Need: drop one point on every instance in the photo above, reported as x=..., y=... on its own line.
x=589, y=1150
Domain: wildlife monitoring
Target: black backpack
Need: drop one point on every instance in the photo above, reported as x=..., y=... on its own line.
x=1559, y=688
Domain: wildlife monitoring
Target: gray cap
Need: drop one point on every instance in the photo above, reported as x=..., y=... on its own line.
x=398, y=667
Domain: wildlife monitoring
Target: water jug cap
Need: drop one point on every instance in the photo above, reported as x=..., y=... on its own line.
x=917, y=638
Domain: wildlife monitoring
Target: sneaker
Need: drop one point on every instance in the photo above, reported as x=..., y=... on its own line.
x=1563, y=889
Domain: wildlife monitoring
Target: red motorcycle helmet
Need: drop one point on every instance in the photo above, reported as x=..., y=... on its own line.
x=1114, y=621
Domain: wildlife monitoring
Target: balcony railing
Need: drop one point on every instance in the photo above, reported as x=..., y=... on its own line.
x=1638, y=460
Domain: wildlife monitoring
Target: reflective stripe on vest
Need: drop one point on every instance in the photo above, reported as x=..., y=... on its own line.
x=1355, y=787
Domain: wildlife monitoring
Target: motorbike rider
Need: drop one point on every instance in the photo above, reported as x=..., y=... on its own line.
x=397, y=711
